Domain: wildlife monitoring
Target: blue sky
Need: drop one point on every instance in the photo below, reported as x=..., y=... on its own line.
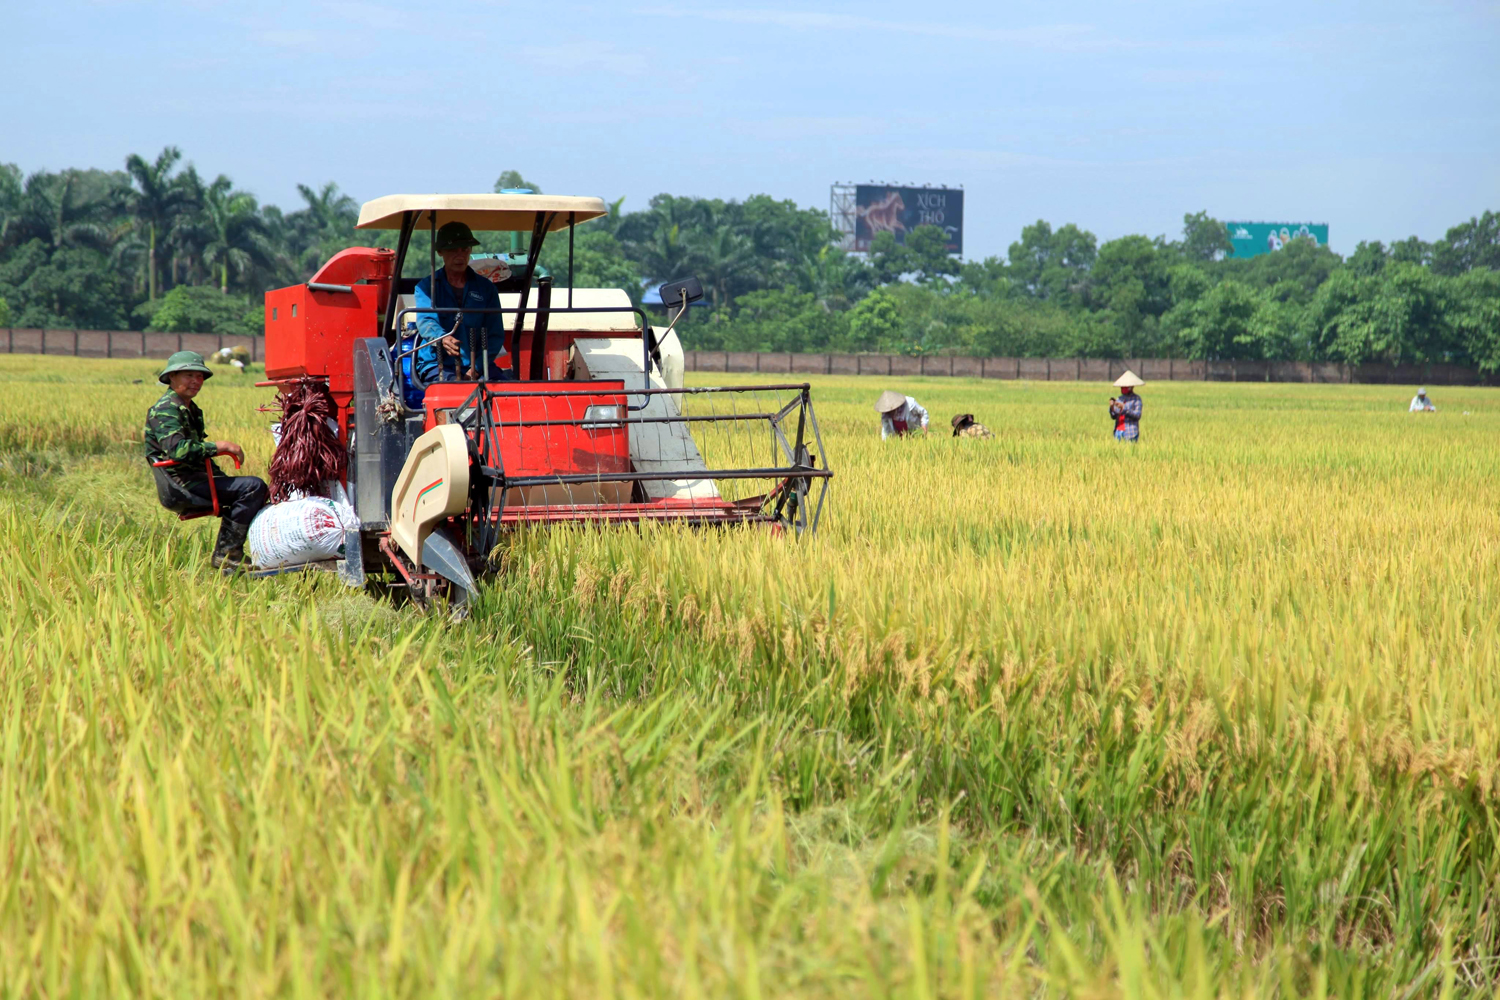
x=1381, y=119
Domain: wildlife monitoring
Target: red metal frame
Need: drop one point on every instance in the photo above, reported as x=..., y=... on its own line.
x=691, y=512
x=527, y=450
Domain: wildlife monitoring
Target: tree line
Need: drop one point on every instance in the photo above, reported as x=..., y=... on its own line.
x=159, y=246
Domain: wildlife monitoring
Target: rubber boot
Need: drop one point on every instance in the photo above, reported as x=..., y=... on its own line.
x=229, y=550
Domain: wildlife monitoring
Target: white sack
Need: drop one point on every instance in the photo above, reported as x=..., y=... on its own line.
x=299, y=531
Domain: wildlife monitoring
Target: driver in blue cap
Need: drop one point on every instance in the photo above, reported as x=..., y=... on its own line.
x=458, y=286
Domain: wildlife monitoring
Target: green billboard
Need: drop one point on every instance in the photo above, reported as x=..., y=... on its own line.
x=1251, y=238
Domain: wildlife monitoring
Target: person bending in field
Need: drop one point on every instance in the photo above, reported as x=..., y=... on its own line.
x=1126, y=407
x=965, y=426
x=175, y=434
x=900, y=415
x=459, y=286
x=1421, y=404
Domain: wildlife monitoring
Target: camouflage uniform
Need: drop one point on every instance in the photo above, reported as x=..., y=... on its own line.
x=175, y=430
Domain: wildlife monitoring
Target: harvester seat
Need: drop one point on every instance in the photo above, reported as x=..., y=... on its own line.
x=178, y=500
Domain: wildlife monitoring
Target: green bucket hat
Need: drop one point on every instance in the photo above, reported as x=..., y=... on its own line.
x=455, y=236
x=184, y=361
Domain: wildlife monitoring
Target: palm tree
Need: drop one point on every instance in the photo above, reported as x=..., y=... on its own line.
x=608, y=223
x=154, y=201
x=832, y=276
x=324, y=226
x=62, y=210
x=236, y=233
x=10, y=199
x=664, y=256
x=330, y=206
x=722, y=257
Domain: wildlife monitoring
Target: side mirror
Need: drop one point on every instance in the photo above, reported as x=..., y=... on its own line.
x=678, y=294
x=675, y=294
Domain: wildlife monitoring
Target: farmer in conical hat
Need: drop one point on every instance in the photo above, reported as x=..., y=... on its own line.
x=899, y=415
x=176, y=435
x=1126, y=407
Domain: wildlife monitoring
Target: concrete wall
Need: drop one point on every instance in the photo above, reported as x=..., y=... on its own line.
x=134, y=344
x=121, y=343
x=1080, y=369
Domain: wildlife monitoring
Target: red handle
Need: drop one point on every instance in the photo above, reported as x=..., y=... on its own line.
x=172, y=461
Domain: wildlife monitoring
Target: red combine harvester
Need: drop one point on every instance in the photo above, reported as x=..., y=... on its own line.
x=593, y=424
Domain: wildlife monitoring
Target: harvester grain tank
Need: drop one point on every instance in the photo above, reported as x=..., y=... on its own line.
x=595, y=426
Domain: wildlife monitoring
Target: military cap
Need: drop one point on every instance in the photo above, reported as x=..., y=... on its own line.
x=184, y=361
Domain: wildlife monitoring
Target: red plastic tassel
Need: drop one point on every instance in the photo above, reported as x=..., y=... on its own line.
x=309, y=454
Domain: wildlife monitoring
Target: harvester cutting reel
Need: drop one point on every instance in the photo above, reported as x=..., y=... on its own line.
x=453, y=496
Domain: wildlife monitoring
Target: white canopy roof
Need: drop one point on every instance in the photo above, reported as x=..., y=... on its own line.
x=496, y=213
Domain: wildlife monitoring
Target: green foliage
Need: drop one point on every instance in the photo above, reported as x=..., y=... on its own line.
x=11, y=198
x=1404, y=313
x=1128, y=290
x=513, y=179
x=323, y=227
x=1223, y=323
x=1368, y=259
x=1474, y=312
x=598, y=262
x=156, y=200
x=875, y=323
x=924, y=256
x=1204, y=238
x=67, y=287
x=1052, y=265
x=4, y=313
x=779, y=319
x=94, y=248
x=195, y=309
x=1469, y=246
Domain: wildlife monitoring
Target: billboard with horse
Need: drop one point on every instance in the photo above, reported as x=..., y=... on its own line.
x=888, y=208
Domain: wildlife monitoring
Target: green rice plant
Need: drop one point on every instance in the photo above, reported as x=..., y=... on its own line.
x=1214, y=715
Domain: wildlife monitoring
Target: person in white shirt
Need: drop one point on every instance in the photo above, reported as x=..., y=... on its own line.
x=1421, y=404
x=900, y=415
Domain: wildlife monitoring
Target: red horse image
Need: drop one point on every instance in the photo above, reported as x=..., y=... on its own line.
x=885, y=215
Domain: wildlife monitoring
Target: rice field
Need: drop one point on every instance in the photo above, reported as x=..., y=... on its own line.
x=1217, y=715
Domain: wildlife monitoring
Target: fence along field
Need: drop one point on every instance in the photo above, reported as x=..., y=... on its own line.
x=1215, y=715
x=135, y=344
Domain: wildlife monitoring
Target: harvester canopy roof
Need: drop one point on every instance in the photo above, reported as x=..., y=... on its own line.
x=496, y=213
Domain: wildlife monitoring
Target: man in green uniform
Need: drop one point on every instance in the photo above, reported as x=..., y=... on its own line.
x=175, y=432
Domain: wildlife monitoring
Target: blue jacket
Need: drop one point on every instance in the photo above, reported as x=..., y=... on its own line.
x=478, y=293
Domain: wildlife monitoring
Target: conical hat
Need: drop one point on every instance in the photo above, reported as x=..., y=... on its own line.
x=888, y=401
x=1130, y=378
